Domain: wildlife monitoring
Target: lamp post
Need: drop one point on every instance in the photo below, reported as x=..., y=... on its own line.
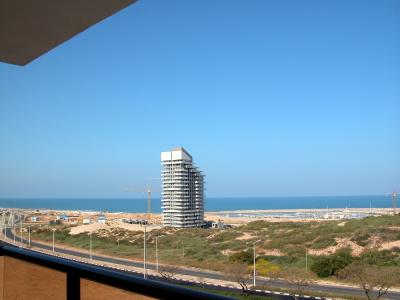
x=90, y=246
x=144, y=254
x=157, y=254
x=254, y=262
x=306, y=260
x=29, y=236
x=20, y=236
x=53, y=239
x=157, y=251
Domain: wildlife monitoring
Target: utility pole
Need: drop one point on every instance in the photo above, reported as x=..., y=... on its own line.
x=306, y=260
x=29, y=236
x=254, y=262
x=53, y=239
x=20, y=236
x=90, y=246
x=144, y=255
x=157, y=253
x=183, y=250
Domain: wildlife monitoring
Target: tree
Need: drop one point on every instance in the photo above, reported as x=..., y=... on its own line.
x=242, y=257
x=168, y=272
x=239, y=273
x=299, y=280
x=330, y=265
x=375, y=281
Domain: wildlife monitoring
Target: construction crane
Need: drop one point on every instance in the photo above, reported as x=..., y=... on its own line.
x=146, y=190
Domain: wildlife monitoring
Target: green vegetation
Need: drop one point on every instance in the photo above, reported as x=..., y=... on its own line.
x=280, y=246
x=330, y=265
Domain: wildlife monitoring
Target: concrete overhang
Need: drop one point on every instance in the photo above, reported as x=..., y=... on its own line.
x=30, y=28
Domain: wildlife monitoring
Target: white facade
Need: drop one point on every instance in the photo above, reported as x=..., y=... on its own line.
x=182, y=194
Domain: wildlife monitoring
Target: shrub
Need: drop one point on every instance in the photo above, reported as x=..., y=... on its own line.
x=361, y=239
x=266, y=268
x=380, y=258
x=326, y=266
x=242, y=257
x=323, y=242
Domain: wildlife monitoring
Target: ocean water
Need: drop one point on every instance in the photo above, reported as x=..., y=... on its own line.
x=211, y=204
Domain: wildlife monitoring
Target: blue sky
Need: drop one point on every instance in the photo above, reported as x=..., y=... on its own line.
x=272, y=98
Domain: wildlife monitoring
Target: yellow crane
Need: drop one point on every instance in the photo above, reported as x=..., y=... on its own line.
x=146, y=190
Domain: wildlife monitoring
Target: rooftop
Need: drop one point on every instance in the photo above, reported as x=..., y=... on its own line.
x=28, y=29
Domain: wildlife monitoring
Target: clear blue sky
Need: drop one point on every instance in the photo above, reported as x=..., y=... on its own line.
x=270, y=97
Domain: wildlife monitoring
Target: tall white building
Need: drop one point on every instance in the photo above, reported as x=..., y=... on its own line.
x=182, y=194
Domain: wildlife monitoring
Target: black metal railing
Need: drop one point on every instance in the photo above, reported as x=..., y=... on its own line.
x=76, y=270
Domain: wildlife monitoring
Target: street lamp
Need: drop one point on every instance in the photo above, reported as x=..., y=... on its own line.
x=54, y=230
x=20, y=236
x=306, y=260
x=254, y=262
x=29, y=236
x=144, y=254
x=90, y=246
x=157, y=251
x=157, y=254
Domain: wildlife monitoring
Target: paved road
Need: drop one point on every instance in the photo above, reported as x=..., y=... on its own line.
x=344, y=290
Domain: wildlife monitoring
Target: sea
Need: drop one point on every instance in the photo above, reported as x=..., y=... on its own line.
x=211, y=204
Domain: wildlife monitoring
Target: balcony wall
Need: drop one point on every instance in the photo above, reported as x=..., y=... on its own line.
x=21, y=280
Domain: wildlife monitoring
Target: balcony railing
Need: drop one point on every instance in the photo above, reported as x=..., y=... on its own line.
x=26, y=274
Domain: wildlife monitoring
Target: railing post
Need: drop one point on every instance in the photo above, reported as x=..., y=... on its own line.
x=73, y=286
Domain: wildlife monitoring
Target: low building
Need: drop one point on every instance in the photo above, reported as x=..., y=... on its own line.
x=102, y=219
x=63, y=217
x=135, y=221
x=219, y=225
x=86, y=221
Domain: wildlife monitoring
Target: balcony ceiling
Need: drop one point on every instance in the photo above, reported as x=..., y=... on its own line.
x=30, y=28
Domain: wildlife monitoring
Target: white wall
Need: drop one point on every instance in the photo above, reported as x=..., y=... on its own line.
x=175, y=155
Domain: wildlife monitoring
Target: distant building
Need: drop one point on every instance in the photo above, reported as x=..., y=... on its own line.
x=182, y=190
x=86, y=221
x=63, y=217
x=102, y=219
x=34, y=219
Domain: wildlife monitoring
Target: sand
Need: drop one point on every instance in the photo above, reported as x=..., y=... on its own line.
x=90, y=228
